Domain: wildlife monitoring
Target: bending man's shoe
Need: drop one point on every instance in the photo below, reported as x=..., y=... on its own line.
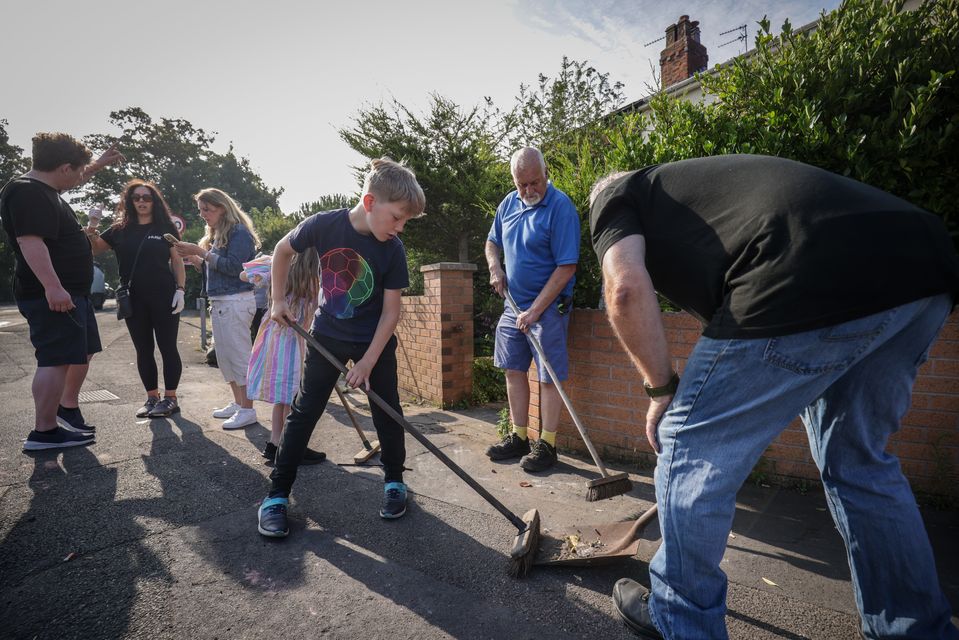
x=631, y=601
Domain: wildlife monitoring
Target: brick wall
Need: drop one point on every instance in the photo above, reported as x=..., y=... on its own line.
x=435, y=336
x=607, y=393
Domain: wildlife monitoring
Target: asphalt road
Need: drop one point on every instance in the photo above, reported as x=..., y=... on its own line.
x=151, y=532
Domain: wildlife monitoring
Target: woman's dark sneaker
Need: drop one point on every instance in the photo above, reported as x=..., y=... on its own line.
x=309, y=456
x=312, y=457
x=394, y=500
x=58, y=438
x=72, y=420
x=512, y=446
x=272, y=518
x=147, y=407
x=269, y=452
x=165, y=408
x=541, y=457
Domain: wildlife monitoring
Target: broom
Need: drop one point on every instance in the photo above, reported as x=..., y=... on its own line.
x=526, y=541
x=368, y=450
x=601, y=488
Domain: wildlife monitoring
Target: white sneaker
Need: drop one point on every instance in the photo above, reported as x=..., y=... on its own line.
x=227, y=411
x=242, y=418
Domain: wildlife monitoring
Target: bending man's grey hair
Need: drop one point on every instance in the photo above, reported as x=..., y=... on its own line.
x=604, y=182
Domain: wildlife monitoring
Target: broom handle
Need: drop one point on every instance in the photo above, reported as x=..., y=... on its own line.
x=349, y=412
x=559, y=387
x=423, y=440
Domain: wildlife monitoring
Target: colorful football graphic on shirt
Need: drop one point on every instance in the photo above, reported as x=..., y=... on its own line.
x=347, y=282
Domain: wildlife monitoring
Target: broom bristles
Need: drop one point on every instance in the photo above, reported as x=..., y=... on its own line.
x=608, y=487
x=525, y=546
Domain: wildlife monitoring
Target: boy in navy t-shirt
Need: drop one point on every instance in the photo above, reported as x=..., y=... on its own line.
x=362, y=273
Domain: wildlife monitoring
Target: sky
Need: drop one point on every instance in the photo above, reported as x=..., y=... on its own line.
x=279, y=79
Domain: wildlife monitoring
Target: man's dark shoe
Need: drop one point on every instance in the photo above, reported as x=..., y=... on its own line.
x=631, y=601
x=58, y=438
x=147, y=407
x=72, y=420
x=394, y=500
x=540, y=458
x=272, y=518
x=512, y=446
x=165, y=408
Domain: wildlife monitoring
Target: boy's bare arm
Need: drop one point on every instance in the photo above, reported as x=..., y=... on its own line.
x=389, y=318
x=279, y=271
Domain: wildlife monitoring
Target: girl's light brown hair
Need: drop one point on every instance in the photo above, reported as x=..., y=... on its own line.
x=304, y=278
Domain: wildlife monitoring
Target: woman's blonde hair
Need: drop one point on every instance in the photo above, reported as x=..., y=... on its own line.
x=304, y=278
x=232, y=215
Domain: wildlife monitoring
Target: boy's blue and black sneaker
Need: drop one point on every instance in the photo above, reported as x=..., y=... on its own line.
x=72, y=420
x=394, y=500
x=272, y=518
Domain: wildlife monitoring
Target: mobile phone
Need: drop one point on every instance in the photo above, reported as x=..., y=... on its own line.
x=169, y=237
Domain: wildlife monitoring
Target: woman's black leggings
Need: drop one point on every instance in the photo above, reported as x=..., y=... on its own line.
x=152, y=317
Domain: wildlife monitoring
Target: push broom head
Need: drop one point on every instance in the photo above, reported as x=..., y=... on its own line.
x=608, y=487
x=525, y=546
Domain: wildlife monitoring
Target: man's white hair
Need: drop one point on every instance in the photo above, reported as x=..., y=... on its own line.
x=522, y=158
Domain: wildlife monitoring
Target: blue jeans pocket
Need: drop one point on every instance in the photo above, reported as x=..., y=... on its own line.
x=831, y=349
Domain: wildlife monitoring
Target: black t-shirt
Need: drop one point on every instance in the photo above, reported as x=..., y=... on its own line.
x=153, y=266
x=757, y=246
x=33, y=208
x=355, y=270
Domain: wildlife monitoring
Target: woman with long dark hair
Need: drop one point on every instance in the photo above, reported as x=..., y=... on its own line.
x=155, y=275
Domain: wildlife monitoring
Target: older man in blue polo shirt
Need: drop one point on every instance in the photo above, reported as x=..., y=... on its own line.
x=537, y=229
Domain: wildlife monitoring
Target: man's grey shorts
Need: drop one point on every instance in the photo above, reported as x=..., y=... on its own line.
x=514, y=351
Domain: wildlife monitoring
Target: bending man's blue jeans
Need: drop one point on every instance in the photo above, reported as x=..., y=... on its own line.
x=851, y=384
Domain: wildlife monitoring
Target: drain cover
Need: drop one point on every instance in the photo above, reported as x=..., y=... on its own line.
x=100, y=395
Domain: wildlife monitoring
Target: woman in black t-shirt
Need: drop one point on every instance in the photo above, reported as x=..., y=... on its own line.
x=155, y=275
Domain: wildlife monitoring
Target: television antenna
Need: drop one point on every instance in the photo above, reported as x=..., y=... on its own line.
x=742, y=37
x=654, y=41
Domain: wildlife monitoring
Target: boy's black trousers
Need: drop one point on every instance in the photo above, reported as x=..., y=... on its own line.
x=316, y=385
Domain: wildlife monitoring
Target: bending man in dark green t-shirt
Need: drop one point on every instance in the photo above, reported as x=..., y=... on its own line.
x=820, y=296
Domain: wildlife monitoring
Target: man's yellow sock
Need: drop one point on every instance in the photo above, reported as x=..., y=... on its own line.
x=549, y=437
x=520, y=431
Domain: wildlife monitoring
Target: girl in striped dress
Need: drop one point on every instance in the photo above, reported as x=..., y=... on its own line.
x=276, y=361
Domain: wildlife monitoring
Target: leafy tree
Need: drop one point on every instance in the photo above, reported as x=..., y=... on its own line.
x=871, y=94
x=578, y=97
x=12, y=164
x=326, y=203
x=176, y=156
x=453, y=153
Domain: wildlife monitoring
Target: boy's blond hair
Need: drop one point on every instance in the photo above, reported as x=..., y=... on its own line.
x=232, y=215
x=395, y=182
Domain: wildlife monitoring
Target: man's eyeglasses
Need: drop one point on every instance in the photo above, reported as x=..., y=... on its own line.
x=145, y=197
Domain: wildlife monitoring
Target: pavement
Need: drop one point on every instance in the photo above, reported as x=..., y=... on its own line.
x=151, y=532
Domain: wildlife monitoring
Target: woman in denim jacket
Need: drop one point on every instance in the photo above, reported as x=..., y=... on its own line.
x=230, y=240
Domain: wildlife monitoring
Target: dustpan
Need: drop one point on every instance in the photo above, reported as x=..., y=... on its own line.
x=590, y=545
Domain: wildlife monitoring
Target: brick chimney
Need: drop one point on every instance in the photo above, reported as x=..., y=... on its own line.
x=683, y=55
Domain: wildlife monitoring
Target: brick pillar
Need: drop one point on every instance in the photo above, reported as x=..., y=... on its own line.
x=435, y=355
x=683, y=55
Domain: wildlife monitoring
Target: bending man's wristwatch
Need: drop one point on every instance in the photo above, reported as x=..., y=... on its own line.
x=667, y=389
